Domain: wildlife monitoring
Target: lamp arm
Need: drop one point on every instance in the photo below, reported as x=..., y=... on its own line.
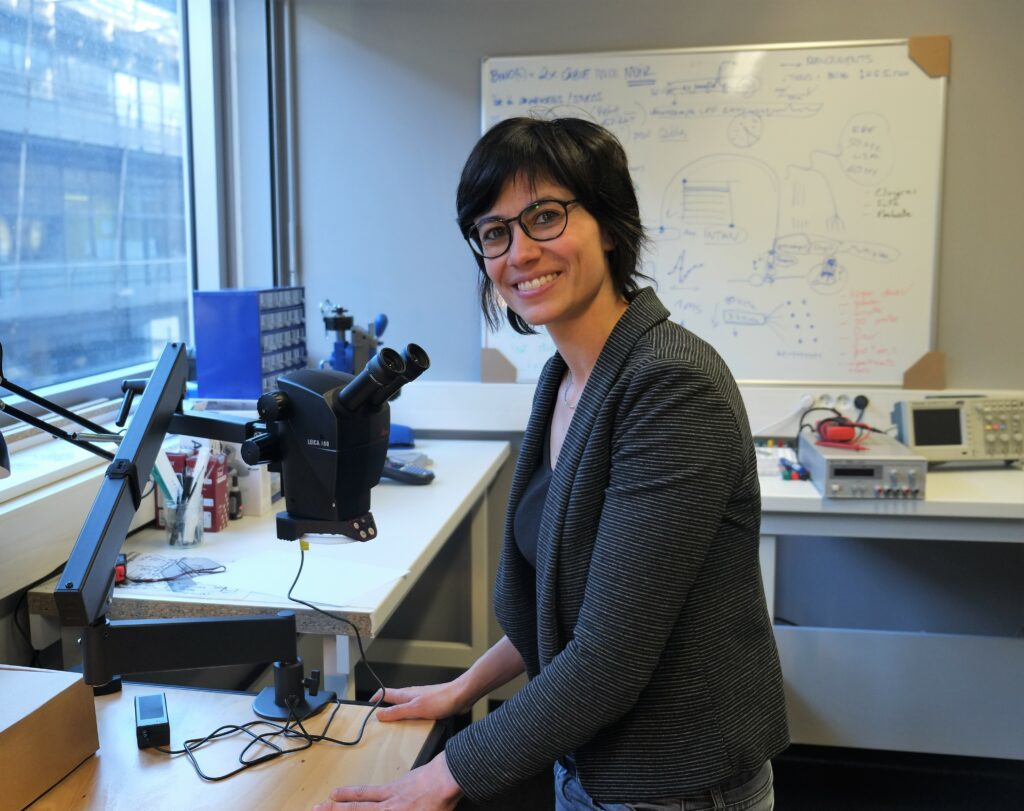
x=52, y=407
x=44, y=403
x=114, y=648
x=87, y=581
x=225, y=427
x=54, y=431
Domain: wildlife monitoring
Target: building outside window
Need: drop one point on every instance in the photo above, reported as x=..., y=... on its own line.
x=95, y=272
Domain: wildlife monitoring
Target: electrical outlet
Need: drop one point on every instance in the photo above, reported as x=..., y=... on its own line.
x=843, y=403
x=806, y=401
x=826, y=400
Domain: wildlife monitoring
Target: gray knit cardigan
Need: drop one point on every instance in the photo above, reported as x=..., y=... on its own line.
x=646, y=638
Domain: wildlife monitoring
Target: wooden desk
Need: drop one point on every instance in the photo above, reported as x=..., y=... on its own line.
x=121, y=776
x=414, y=522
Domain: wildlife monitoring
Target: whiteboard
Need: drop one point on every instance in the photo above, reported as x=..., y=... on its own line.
x=791, y=193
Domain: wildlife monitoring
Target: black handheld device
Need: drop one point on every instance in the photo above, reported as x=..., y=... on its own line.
x=406, y=473
x=152, y=726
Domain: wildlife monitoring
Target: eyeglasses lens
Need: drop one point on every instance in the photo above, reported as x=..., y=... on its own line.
x=541, y=221
x=544, y=220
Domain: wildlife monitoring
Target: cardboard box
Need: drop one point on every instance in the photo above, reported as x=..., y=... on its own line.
x=256, y=485
x=215, y=494
x=47, y=728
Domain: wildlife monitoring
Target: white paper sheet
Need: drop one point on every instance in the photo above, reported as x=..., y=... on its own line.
x=325, y=580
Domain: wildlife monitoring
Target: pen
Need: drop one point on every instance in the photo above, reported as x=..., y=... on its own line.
x=166, y=475
x=161, y=484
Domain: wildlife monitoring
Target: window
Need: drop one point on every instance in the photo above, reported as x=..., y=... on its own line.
x=95, y=272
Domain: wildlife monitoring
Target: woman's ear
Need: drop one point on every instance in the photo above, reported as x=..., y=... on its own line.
x=607, y=243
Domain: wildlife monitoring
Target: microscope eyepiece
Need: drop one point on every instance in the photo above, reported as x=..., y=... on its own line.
x=416, y=363
x=381, y=370
x=389, y=361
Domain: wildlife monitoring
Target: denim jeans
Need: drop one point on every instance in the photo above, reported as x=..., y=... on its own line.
x=756, y=794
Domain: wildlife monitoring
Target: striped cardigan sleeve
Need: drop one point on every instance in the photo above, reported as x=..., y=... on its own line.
x=675, y=458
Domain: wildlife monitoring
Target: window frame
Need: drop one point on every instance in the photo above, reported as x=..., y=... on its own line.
x=222, y=143
x=229, y=95
x=229, y=133
x=107, y=385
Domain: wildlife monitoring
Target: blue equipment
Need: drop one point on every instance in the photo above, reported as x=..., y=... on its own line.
x=350, y=356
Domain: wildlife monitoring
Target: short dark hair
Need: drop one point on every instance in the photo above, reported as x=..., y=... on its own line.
x=572, y=152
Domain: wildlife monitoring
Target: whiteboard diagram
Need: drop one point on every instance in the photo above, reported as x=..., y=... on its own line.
x=791, y=196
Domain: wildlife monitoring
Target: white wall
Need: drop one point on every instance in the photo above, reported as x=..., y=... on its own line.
x=388, y=107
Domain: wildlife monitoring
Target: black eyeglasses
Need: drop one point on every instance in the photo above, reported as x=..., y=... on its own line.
x=541, y=221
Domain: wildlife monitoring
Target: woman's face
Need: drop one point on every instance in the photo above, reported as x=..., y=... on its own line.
x=556, y=283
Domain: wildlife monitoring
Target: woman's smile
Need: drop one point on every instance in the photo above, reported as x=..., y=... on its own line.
x=535, y=284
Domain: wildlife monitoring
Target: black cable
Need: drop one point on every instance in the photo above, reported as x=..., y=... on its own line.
x=359, y=643
x=802, y=425
x=352, y=625
x=812, y=409
x=862, y=428
x=23, y=600
x=861, y=402
x=186, y=571
x=227, y=730
x=293, y=728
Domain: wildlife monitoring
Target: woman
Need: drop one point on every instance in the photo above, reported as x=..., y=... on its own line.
x=629, y=586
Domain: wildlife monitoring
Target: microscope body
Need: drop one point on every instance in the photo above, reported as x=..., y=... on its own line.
x=328, y=434
x=329, y=464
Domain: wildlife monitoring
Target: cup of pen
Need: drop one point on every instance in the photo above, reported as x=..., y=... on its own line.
x=184, y=525
x=183, y=497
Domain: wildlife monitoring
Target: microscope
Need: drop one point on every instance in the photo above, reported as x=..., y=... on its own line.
x=325, y=432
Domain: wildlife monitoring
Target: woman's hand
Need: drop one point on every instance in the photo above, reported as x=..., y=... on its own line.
x=432, y=702
x=428, y=788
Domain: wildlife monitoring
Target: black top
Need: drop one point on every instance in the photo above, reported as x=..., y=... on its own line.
x=531, y=505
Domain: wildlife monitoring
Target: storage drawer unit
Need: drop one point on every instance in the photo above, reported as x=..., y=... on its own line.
x=245, y=339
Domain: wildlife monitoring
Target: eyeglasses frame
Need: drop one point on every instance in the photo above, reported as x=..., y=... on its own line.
x=507, y=221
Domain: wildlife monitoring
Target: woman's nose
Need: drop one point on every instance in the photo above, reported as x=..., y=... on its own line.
x=523, y=249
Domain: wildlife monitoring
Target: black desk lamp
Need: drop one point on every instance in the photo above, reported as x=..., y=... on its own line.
x=325, y=432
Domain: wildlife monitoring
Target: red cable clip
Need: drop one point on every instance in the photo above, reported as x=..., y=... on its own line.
x=836, y=431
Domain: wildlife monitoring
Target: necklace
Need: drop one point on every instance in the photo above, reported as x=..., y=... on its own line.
x=566, y=390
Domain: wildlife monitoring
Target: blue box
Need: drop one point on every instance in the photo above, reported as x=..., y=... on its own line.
x=245, y=339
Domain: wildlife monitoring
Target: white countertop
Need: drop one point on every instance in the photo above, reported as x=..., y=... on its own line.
x=991, y=493
x=413, y=522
